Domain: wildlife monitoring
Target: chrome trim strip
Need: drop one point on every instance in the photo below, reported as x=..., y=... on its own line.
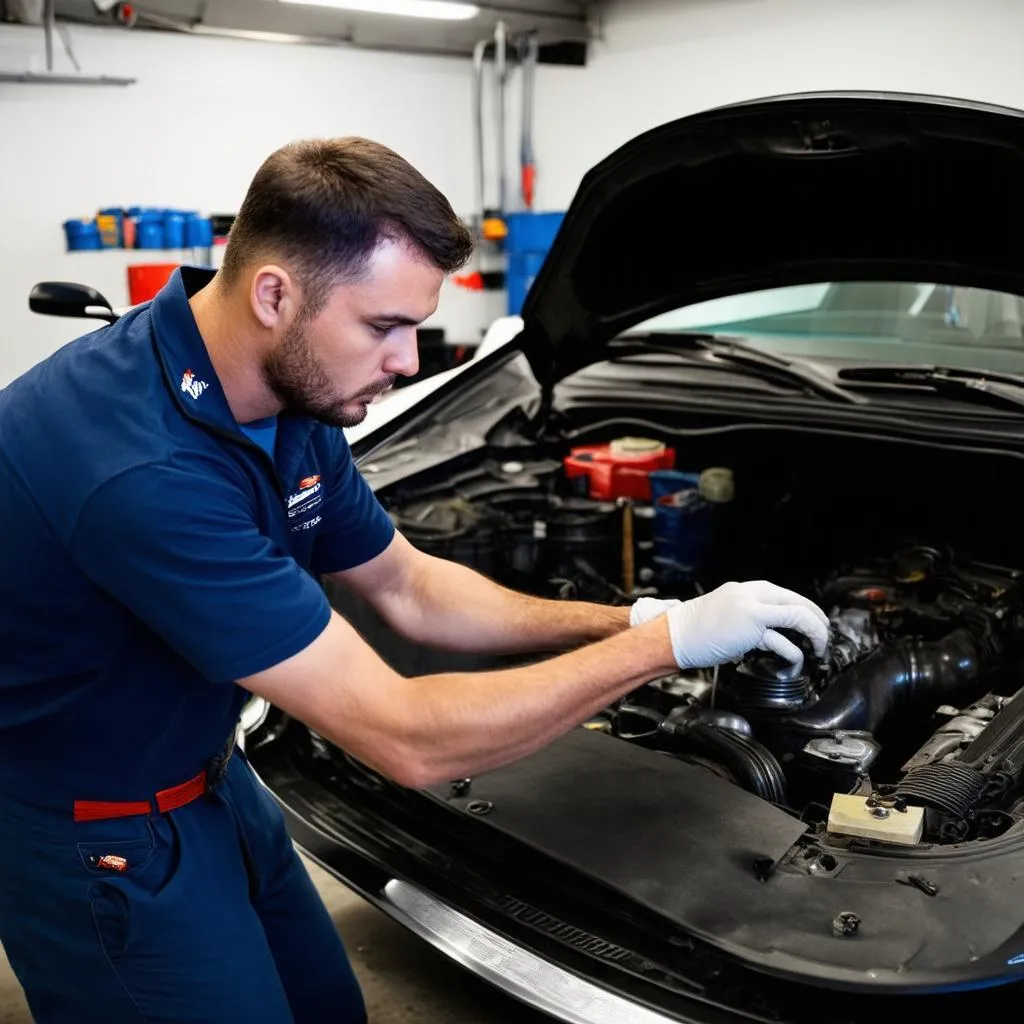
x=516, y=971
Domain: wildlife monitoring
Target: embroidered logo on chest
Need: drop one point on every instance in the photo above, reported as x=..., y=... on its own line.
x=302, y=505
x=192, y=385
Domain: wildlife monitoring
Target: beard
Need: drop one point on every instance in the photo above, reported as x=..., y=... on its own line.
x=302, y=384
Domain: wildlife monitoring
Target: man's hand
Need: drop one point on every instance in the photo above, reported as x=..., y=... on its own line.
x=734, y=619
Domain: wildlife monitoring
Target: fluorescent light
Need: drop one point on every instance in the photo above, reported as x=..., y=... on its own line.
x=442, y=10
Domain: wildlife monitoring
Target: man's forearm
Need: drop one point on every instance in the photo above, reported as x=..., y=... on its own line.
x=427, y=729
x=470, y=722
x=452, y=607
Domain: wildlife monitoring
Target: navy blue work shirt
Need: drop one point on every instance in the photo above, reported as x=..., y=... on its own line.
x=153, y=554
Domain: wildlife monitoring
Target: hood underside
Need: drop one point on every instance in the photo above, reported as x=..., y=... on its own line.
x=792, y=190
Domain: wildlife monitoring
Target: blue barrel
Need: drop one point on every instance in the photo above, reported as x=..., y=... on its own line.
x=532, y=232
x=150, y=231
x=530, y=236
x=198, y=232
x=523, y=267
x=174, y=229
x=82, y=234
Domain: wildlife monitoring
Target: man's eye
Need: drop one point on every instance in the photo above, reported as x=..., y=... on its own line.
x=381, y=329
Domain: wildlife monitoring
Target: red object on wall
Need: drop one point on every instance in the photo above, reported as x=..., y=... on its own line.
x=474, y=282
x=615, y=473
x=146, y=279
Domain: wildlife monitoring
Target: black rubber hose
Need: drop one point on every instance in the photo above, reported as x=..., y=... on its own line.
x=752, y=765
x=951, y=787
x=989, y=768
x=891, y=677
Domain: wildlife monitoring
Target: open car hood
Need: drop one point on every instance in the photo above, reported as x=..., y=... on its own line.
x=790, y=190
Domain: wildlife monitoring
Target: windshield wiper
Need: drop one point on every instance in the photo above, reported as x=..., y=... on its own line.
x=767, y=366
x=1005, y=389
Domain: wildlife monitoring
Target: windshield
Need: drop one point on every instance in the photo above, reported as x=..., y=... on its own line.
x=866, y=322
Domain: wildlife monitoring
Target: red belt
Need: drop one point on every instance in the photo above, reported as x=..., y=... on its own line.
x=165, y=800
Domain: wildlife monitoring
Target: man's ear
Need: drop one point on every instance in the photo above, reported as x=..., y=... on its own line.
x=274, y=296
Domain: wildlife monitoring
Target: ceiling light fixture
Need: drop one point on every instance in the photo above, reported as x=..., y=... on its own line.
x=441, y=10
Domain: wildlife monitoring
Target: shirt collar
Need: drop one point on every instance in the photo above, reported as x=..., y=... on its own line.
x=192, y=380
x=187, y=367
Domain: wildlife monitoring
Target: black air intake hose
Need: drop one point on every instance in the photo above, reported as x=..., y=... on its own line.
x=948, y=786
x=991, y=766
x=893, y=676
x=752, y=765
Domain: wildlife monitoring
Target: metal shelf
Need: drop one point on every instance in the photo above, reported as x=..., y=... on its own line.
x=51, y=77
x=177, y=250
x=61, y=78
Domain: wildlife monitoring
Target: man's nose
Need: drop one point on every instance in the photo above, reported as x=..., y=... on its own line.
x=404, y=358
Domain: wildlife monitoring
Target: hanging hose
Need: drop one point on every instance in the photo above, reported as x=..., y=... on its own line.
x=500, y=76
x=528, y=169
x=478, y=124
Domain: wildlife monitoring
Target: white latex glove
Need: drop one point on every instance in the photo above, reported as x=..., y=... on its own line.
x=738, y=617
x=644, y=609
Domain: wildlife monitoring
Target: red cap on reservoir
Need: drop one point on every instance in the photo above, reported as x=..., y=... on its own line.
x=620, y=469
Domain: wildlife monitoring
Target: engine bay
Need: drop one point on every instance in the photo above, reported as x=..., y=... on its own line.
x=908, y=732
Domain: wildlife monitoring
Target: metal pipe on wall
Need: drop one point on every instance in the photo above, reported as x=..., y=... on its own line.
x=500, y=77
x=49, y=21
x=478, y=124
x=527, y=168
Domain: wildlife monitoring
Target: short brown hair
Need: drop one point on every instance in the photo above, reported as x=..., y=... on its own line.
x=324, y=205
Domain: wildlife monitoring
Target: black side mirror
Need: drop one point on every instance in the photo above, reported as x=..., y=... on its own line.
x=63, y=298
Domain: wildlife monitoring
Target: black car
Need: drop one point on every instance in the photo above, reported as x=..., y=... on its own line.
x=778, y=340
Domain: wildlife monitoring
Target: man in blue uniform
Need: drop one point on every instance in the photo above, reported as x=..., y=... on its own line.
x=171, y=489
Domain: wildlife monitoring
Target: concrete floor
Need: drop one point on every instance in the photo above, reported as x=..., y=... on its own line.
x=403, y=979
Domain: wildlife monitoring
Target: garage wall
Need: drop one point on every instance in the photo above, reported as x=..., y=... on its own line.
x=206, y=111
x=203, y=115
x=662, y=59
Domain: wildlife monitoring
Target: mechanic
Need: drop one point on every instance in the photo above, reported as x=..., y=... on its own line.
x=172, y=489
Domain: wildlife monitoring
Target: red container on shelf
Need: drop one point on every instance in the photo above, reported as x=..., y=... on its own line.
x=146, y=279
x=621, y=469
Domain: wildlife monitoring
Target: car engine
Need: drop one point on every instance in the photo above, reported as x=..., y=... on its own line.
x=913, y=716
x=893, y=712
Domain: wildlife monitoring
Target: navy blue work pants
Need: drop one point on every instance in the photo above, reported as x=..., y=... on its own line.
x=213, y=920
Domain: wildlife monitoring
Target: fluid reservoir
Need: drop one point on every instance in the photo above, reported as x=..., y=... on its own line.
x=620, y=469
x=686, y=507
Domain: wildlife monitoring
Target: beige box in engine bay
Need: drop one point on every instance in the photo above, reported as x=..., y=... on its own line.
x=851, y=816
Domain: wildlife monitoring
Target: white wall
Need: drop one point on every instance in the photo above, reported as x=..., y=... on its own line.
x=203, y=115
x=205, y=112
x=663, y=59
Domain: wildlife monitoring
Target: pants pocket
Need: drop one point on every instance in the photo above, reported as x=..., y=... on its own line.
x=123, y=892
x=111, y=913
x=106, y=857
